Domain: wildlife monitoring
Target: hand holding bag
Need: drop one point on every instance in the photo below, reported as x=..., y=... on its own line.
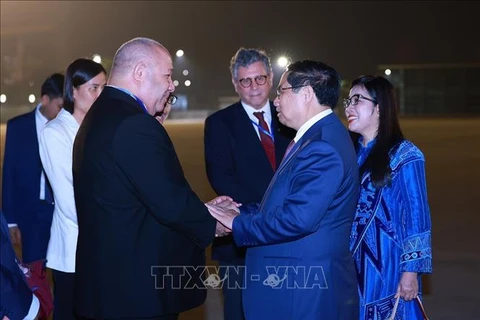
x=419, y=303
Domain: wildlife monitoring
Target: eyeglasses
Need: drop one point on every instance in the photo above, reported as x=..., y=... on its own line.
x=172, y=99
x=247, y=82
x=280, y=90
x=353, y=100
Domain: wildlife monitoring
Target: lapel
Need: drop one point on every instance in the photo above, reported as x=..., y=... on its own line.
x=314, y=133
x=247, y=134
x=276, y=131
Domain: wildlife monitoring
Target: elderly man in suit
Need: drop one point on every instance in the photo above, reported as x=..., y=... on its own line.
x=244, y=144
x=139, y=221
x=298, y=260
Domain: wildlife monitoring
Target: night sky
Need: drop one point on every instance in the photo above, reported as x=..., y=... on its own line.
x=353, y=37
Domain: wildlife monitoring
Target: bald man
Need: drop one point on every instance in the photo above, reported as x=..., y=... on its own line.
x=142, y=230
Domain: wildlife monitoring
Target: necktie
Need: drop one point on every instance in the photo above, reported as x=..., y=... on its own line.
x=266, y=140
x=289, y=148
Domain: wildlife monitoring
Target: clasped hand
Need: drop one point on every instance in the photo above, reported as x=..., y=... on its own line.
x=224, y=210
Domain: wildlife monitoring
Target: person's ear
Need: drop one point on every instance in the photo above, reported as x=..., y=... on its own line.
x=45, y=100
x=235, y=85
x=308, y=94
x=139, y=71
x=270, y=79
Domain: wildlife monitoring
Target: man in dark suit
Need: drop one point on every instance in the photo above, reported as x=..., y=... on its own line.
x=298, y=260
x=241, y=157
x=142, y=230
x=16, y=299
x=26, y=194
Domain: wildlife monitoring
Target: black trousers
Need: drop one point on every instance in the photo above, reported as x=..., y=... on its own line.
x=63, y=295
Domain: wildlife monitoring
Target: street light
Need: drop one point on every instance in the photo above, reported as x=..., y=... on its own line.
x=97, y=58
x=282, y=61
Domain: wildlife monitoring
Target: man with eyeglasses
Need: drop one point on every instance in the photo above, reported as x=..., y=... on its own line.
x=298, y=259
x=244, y=144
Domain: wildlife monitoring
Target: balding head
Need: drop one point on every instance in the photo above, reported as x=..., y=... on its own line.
x=132, y=52
x=144, y=67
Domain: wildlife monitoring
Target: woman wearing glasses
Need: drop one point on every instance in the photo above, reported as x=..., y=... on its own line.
x=391, y=233
x=84, y=81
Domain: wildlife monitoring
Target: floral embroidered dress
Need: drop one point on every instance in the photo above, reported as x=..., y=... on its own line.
x=391, y=233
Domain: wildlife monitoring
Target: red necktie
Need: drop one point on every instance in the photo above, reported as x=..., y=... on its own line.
x=267, y=141
x=289, y=148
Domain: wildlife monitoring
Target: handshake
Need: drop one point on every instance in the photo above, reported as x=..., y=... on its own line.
x=224, y=210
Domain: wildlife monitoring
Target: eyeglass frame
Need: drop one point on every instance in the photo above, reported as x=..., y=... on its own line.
x=347, y=102
x=280, y=89
x=170, y=98
x=250, y=81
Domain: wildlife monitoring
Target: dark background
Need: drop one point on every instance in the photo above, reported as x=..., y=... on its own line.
x=40, y=37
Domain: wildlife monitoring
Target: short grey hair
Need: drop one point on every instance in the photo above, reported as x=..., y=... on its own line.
x=244, y=57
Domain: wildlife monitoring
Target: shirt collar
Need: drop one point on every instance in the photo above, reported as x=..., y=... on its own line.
x=307, y=125
x=266, y=109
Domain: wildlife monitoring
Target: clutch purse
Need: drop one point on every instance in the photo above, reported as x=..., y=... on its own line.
x=420, y=306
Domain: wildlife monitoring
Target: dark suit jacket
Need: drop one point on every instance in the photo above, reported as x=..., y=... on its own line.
x=237, y=164
x=15, y=295
x=298, y=259
x=137, y=215
x=22, y=170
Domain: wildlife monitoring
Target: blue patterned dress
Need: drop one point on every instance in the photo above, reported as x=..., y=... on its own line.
x=391, y=233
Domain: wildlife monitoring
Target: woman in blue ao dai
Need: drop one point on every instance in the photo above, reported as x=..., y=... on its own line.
x=391, y=233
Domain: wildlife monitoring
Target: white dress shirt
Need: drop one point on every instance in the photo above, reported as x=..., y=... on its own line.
x=56, y=148
x=310, y=122
x=267, y=115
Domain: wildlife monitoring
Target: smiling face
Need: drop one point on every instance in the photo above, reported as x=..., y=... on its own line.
x=154, y=78
x=256, y=95
x=363, y=117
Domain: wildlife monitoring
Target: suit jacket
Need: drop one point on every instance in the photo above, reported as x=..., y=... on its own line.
x=15, y=295
x=138, y=218
x=22, y=170
x=237, y=164
x=298, y=261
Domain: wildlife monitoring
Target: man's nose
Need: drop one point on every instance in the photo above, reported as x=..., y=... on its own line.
x=276, y=102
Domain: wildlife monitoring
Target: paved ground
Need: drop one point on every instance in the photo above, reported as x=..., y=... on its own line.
x=452, y=152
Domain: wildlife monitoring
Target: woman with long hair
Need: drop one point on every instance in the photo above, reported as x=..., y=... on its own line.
x=391, y=233
x=84, y=81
